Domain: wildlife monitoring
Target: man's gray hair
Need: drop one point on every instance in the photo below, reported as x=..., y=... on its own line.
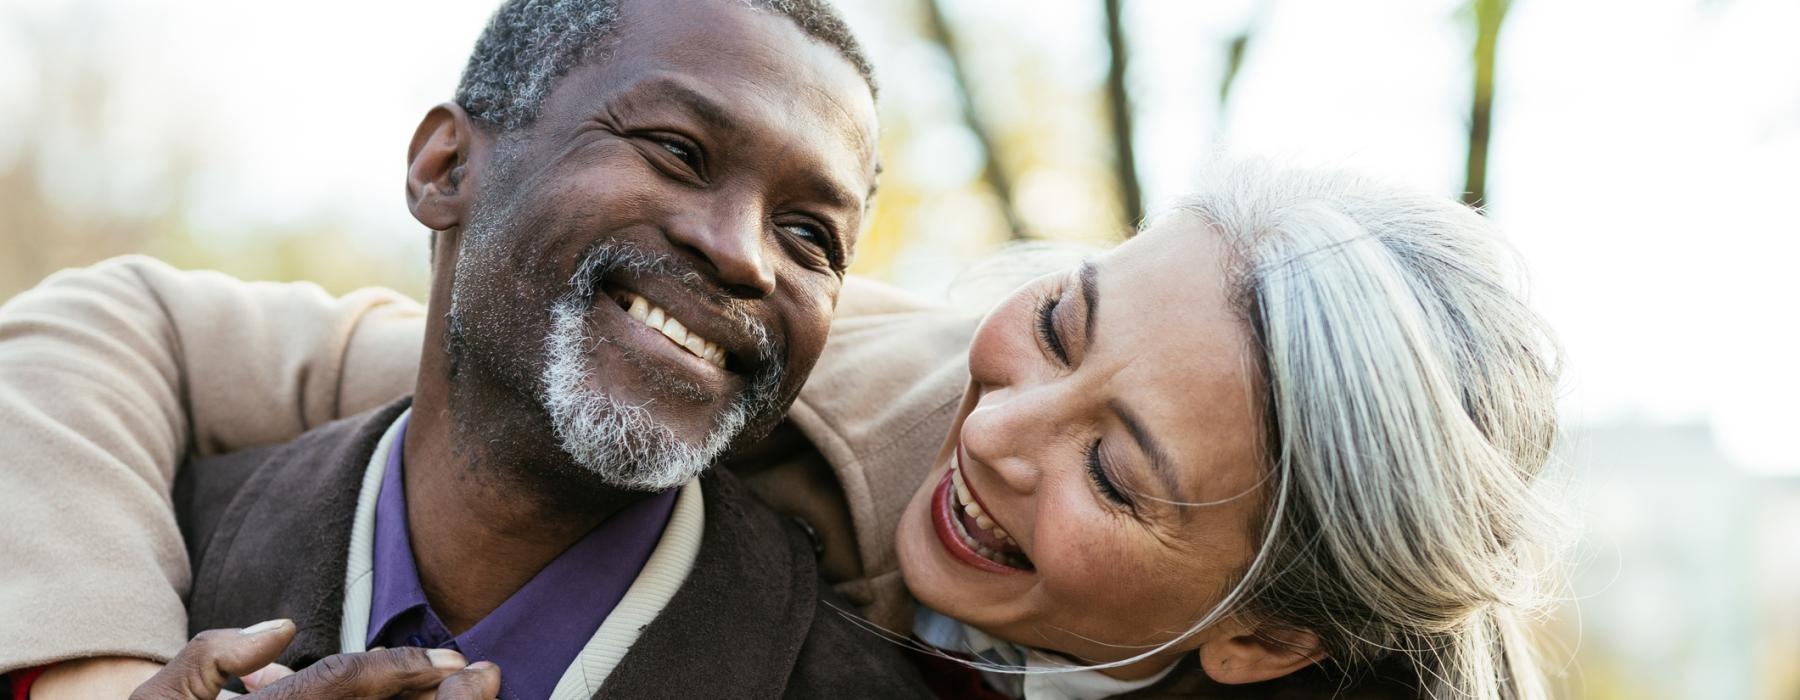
x=530, y=44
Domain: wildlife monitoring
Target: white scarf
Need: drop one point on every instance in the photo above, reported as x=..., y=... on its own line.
x=951, y=635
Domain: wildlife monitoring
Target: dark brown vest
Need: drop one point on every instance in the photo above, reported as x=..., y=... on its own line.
x=268, y=533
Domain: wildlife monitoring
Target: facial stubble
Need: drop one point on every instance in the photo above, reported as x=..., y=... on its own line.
x=624, y=443
x=607, y=441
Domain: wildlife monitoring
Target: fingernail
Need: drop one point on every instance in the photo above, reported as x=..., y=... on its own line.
x=446, y=659
x=480, y=666
x=266, y=675
x=266, y=626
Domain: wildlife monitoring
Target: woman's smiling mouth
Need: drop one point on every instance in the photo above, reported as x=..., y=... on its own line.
x=968, y=531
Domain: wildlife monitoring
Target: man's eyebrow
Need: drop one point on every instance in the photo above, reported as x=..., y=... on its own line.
x=706, y=108
x=833, y=194
x=1159, y=460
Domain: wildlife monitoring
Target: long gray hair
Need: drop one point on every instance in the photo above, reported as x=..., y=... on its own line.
x=1410, y=403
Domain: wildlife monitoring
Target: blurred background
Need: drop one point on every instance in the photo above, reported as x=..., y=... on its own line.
x=1641, y=155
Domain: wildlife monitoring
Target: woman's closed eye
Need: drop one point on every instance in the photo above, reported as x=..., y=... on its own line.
x=1102, y=482
x=1046, y=327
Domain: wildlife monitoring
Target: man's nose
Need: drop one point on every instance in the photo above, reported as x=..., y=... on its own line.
x=730, y=241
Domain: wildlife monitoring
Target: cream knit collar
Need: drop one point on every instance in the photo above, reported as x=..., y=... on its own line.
x=662, y=575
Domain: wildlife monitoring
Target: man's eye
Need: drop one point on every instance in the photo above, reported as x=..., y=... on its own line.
x=682, y=153
x=821, y=247
x=807, y=232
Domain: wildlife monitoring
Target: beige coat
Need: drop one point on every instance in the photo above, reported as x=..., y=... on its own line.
x=112, y=375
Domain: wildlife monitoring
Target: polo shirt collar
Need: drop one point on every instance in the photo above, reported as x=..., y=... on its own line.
x=543, y=627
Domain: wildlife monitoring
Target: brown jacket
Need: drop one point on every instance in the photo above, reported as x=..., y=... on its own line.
x=268, y=531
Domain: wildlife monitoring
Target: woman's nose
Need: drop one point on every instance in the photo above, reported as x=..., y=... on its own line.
x=1007, y=432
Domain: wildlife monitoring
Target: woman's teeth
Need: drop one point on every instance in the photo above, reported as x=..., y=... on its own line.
x=966, y=503
x=653, y=316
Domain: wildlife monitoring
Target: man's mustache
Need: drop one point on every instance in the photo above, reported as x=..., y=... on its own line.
x=606, y=258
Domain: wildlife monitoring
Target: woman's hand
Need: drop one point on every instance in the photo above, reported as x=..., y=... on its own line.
x=100, y=677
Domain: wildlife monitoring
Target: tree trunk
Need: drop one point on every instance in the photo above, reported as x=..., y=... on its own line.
x=1489, y=14
x=992, y=172
x=1118, y=104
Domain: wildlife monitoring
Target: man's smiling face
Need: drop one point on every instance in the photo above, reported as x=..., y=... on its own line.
x=676, y=222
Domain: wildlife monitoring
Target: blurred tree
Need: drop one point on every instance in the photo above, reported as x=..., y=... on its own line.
x=1234, y=62
x=993, y=172
x=52, y=217
x=1237, y=48
x=1489, y=15
x=1118, y=108
x=66, y=201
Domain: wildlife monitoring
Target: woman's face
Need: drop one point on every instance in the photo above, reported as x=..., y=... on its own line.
x=1099, y=399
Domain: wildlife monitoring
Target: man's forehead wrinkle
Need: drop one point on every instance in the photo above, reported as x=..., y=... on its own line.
x=738, y=108
x=819, y=184
x=865, y=128
x=767, y=64
x=763, y=55
x=662, y=87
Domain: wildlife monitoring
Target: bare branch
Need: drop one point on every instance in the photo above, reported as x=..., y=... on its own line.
x=992, y=172
x=1489, y=15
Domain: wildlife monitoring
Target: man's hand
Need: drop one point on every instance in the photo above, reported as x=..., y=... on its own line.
x=203, y=667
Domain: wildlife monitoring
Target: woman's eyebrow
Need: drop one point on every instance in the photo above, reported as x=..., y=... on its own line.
x=1159, y=460
x=1160, y=463
x=1090, y=298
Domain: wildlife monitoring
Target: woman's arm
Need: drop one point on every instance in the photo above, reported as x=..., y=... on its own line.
x=112, y=375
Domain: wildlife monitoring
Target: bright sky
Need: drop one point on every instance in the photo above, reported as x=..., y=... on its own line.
x=1643, y=157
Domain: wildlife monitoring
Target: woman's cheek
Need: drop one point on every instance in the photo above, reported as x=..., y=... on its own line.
x=1086, y=553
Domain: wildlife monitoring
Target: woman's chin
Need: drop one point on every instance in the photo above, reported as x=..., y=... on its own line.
x=938, y=579
x=910, y=545
x=927, y=570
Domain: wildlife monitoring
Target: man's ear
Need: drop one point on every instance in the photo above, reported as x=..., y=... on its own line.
x=441, y=163
x=1249, y=657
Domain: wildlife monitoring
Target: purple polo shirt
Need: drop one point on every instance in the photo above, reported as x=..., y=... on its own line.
x=538, y=632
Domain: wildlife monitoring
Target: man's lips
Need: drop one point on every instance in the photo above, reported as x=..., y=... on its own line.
x=657, y=319
x=695, y=326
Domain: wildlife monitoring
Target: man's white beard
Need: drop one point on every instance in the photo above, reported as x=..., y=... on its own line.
x=621, y=443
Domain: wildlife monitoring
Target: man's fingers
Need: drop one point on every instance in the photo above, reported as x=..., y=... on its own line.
x=202, y=667
x=373, y=675
x=265, y=676
x=480, y=681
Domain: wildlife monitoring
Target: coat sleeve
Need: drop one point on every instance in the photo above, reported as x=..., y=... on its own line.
x=112, y=375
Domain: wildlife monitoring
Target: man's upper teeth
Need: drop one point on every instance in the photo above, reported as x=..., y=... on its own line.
x=656, y=318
